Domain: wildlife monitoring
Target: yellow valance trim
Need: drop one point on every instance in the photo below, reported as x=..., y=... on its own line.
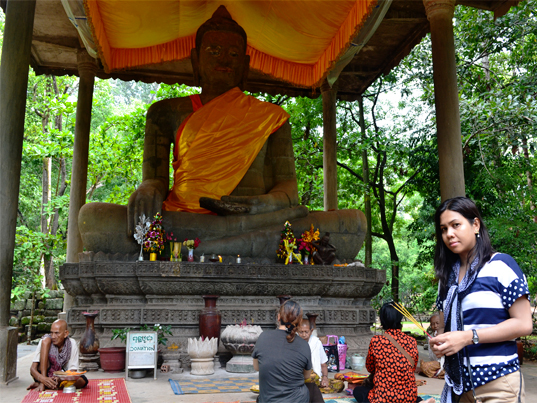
x=286, y=69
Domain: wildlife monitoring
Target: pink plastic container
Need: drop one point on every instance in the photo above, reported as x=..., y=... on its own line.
x=342, y=353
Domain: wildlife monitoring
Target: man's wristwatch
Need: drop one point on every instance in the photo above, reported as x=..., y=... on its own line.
x=475, y=337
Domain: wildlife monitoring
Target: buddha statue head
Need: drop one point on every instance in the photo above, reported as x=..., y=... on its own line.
x=219, y=60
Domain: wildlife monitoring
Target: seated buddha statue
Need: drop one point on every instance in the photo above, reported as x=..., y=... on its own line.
x=234, y=178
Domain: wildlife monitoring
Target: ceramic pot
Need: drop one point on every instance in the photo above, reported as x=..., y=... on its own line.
x=191, y=255
x=153, y=256
x=113, y=359
x=210, y=318
x=89, y=343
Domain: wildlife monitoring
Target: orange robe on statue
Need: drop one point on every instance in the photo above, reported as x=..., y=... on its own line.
x=216, y=145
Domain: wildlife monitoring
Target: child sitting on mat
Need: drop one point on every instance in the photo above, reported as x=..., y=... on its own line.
x=431, y=368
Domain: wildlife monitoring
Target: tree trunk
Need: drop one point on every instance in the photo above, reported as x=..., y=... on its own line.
x=45, y=199
x=529, y=175
x=367, y=196
x=388, y=236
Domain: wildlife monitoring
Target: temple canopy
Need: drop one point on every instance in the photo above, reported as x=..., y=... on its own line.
x=293, y=45
x=297, y=42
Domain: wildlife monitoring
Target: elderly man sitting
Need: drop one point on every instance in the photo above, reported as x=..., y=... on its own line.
x=318, y=356
x=55, y=352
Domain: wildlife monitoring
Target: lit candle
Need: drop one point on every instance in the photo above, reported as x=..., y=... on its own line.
x=220, y=258
x=238, y=258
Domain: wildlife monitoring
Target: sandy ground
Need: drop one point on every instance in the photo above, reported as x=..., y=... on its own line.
x=147, y=390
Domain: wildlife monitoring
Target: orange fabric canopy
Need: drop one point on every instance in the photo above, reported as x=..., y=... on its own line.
x=296, y=41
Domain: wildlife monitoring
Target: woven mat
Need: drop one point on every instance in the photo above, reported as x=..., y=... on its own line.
x=206, y=385
x=98, y=390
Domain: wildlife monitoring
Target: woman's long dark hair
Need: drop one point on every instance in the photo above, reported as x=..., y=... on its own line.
x=291, y=318
x=443, y=257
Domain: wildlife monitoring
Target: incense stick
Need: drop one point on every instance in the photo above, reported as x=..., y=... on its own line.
x=402, y=310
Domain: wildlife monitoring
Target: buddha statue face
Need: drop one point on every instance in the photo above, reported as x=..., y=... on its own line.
x=222, y=60
x=219, y=59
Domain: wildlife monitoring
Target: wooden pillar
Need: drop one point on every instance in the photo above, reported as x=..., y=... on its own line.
x=13, y=85
x=79, y=173
x=440, y=15
x=329, y=146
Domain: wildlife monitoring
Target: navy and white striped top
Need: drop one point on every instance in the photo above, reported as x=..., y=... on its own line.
x=499, y=283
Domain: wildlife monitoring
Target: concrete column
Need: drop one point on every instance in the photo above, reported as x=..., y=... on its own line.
x=440, y=15
x=329, y=146
x=79, y=173
x=13, y=84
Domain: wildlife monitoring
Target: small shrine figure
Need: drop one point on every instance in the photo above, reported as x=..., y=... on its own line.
x=326, y=252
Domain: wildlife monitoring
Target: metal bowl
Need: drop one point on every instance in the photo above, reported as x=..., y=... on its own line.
x=68, y=377
x=137, y=373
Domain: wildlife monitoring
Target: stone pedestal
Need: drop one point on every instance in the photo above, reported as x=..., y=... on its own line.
x=129, y=294
x=242, y=363
x=202, y=366
x=8, y=354
x=88, y=362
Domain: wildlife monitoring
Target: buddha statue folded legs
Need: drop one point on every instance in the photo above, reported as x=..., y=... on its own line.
x=246, y=235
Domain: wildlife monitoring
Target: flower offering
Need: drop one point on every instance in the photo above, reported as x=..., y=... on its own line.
x=154, y=237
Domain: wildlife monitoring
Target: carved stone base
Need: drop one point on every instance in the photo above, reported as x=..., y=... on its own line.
x=88, y=362
x=240, y=363
x=129, y=294
x=202, y=366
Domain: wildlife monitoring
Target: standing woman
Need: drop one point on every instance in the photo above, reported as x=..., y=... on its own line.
x=284, y=361
x=484, y=302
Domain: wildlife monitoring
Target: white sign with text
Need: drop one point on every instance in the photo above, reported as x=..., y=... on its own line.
x=142, y=351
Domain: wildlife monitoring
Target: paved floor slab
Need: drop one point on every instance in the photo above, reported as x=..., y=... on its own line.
x=147, y=390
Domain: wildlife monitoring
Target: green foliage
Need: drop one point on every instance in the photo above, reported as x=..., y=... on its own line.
x=306, y=130
x=166, y=91
x=498, y=110
x=418, y=287
x=27, y=260
x=120, y=334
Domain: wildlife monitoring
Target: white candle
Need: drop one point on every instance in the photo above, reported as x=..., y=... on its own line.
x=238, y=258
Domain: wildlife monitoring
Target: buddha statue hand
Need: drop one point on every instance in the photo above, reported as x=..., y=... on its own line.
x=222, y=207
x=147, y=199
x=231, y=205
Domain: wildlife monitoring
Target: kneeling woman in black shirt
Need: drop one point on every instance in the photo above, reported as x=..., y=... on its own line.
x=284, y=361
